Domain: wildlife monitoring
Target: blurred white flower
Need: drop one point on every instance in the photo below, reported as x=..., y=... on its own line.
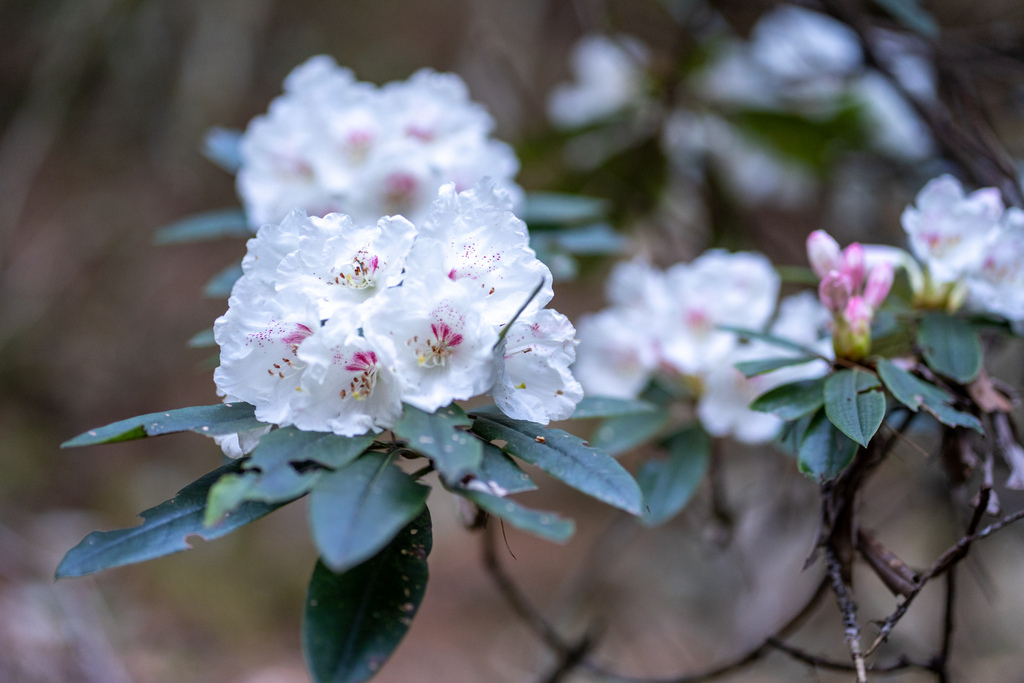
x=618, y=353
x=609, y=75
x=332, y=144
x=997, y=285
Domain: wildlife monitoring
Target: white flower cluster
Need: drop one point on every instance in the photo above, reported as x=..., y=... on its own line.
x=669, y=322
x=335, y=324
x=333, y=144
x=971, y=247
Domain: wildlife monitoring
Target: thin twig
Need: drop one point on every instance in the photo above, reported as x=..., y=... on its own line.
x=849, y=611
x=901, y=664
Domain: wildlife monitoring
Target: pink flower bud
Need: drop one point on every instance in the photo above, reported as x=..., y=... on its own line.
x=853, y=264
x=851, y=334
x=835, y=291
x=878, y=285
x=858, y=314
x=823, y=253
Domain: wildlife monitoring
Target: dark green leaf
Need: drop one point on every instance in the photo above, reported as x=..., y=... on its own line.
x=544, y=524
x=616, y=435
x=599, y=238
x=165, y=530
x=948, y=415
x=202, y=340
x=912, y=15
x=355, y=620
x=601, y=406
x=215, y=420
x=356, y=511
x=752, y=368
x=454, y=452
x=854, y=404
x=565, y=457
x=824, y=450
x=915, y=393
x=292, y=445
x=810, y=142
x=668, y=484
x=220, y=285
x=497, y=469
x=798, y=275
x=222, y=147
x=951, y=347
x=553, y=209
x=211, y=225
x=792, y=401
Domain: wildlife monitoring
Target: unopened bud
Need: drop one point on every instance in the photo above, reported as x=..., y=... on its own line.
x=854, y=263
x=823, y=253
x=835, y=291
x=878, y=285
x=851, y=336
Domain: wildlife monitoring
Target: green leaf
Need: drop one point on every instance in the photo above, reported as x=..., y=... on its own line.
x=355, y=620
x=616, y=435
x=356, y=511
x=798, y=275
x=947, y=415
x=202, y=340
x=668, y=484
x=292, y=445
x=454, y=452
x=497, y=469
x=810, y=142
x=565, y=457
x=752, y=368
x=911, y=15
x=215, y=420
x=854, y=404
x=587, y=240
x=554, y=209
x=602, y=406
x=824, y=451
x=222, y=147
x=165, y=530
x=220, y=285
x=951, y=347
x=915, y=393
x=544, y=524
x=792, y=401
x=773, y=340
x=210, y=225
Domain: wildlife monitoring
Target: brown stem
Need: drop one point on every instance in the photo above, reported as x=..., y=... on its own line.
x=848, y=609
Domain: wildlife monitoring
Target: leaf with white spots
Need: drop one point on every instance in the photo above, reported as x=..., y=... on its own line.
x=355, y=620
x=215, y=420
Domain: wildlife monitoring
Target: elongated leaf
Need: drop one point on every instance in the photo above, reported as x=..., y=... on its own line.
x=202, y=340
x=544, y=524
x=565, y=457
x=501, y=473
x=292, y=445
x=603, y=406
x=951, y=347
x=912, y=15
x=281, y=485
x=669, y=484
x=824, y=451
x=355, y=620
x=165, y=530
x=752, y=368
x=222, y=147
x=454, y=452
x=617, y=435
x=211, y=225
x=854, y=404
x=223, y=418
x=773, y=340
x=552, y=209
x=220, y=285
x=599, y=238
x=916, y=393
x=356, y=511
x=792, y=401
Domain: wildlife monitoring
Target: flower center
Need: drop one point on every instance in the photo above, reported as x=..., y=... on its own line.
x=359, y=274
x=440, y=346
x=364, y=364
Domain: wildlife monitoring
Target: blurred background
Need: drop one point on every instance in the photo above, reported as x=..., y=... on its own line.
x=104, y=105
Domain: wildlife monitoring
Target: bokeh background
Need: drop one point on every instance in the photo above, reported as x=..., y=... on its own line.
x=103, y=109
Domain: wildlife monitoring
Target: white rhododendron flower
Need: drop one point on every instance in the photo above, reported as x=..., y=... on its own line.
x=333, y=144
x=618, y=352
x=536, y=383
x=609, y=76
x=717, y=288
x=335, y=323
x=949, y=229
x=444, y=349
x=997, y=284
